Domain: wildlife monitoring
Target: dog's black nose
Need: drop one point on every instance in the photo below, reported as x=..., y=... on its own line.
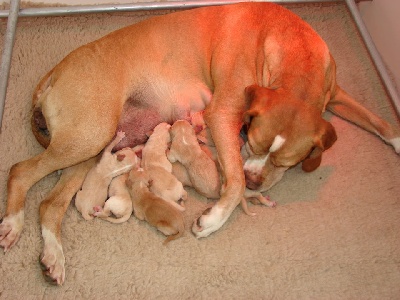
x=251, y=183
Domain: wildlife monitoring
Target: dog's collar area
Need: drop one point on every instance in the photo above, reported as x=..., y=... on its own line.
x=243, y=132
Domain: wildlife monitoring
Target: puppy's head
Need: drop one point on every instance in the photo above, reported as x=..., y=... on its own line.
x=282, y=131
x=181, y=127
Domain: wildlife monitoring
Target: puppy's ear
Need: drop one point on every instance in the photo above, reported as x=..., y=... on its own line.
x=322, y=142
x=120, y=157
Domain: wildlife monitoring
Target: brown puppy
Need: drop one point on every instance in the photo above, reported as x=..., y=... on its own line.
x=157, y=212
x=119, y=202
x=202, y=171
x=94, y=190
x=196, y=166
x=181, y=63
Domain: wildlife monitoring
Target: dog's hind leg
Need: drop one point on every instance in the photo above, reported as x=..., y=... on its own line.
x=52, y=210
x=59, y=155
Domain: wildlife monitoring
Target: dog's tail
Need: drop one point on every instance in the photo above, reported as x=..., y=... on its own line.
x=346, y=107
x=38, y=121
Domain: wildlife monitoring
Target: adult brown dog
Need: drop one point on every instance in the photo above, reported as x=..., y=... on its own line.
x=162, y=69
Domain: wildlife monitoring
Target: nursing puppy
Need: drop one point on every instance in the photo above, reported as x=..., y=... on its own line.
x=166, y=186
x=119, y=202
x=165, y=68
x=154, y=152
x=151, y=208
x=94, y=190
x=201, y=169
x=194, y=167
x=154, y=160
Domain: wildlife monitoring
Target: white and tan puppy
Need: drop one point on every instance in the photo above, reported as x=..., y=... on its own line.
x=119, y=202
x=157, y=212
x=94, y=189
x=155, y=162
x=154, y=152
x=166, y=186
x=165, y=68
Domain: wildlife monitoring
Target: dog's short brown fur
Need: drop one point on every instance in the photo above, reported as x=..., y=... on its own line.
x=157, y=212
x=163, y=69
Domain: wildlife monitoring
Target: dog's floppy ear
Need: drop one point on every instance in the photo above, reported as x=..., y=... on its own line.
x=248, y=115
x=322, y=142
x=256, y=98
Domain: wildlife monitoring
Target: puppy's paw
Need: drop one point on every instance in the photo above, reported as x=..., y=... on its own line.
x=268, y=202
x=121, y=134
x=11, y=229
x=52, y=259
x=97, y=210
x=211, y=220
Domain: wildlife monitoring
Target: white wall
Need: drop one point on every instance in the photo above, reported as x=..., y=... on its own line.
x=382, y=18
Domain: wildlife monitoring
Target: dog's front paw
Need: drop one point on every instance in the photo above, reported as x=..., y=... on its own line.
x=52, y=259
x=395, y=142
x=211, y=220
x=10, y=230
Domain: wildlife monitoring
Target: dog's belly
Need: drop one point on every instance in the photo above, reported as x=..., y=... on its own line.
x=148, y=108
x=136, y=123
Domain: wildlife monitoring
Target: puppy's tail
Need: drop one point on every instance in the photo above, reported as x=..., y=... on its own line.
x=124, y=218
x=180, y=232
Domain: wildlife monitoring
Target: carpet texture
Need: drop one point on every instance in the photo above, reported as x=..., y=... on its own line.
x=335, y=233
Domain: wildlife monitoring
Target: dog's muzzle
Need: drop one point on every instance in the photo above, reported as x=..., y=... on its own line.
x=253, y=168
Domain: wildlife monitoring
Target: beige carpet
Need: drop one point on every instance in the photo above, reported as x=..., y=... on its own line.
x=335, y=233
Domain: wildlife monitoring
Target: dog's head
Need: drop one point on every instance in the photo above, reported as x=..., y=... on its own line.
x=282, y=131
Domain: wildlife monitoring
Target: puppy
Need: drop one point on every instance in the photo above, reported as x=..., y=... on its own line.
x=157, y=212
x=195, y=168
x=202, y=171
x=119, y=204
x=94, y=190
x=155, y=162
x=166, y=186
x=154, y=152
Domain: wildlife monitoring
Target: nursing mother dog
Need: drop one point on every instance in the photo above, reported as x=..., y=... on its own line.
x=163, y=69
